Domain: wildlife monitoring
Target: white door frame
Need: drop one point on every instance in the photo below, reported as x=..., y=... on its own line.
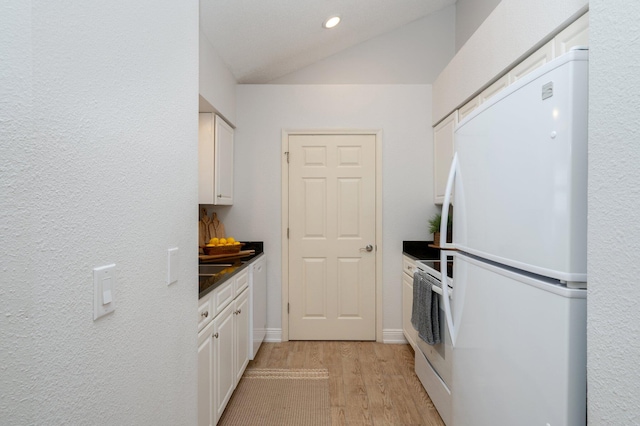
x=285, y=220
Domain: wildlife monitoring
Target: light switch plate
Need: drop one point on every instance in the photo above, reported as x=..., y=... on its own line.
x=104, y=281
x=172, y=268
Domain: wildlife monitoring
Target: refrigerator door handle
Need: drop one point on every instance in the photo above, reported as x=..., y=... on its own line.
x=443, y=242
x=444, y=222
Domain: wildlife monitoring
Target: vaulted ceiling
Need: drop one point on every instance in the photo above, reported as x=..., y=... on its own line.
x=261, y=40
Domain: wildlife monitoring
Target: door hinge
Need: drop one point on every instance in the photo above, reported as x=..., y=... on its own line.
x=287, y=154
x=287, y=308
x=287, y=233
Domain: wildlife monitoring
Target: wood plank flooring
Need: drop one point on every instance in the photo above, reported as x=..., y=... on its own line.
x=369, y=383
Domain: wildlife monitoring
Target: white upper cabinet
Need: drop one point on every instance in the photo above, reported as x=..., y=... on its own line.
x=496, y=87
x=215, y=160
x=468, y=108
x=535, y=60
x=576, y=34
x=442, y=155
x=224, y=163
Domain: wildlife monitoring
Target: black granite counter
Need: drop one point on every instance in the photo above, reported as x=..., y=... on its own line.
x=420, y=250
x=207, y=284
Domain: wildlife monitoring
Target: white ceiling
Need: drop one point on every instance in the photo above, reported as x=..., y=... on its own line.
x=261, y=40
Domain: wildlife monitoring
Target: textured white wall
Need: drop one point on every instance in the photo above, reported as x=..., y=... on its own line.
x=614, y=221
x=469, y=15
x=217, y=84
x=512, y=31
x=98, y=166
x=412, y=54
x=401, y=111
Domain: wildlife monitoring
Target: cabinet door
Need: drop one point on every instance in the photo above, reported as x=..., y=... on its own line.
x=496, y=87
x=535, y=60
x=442, y=154
x=258, y=305
x=223, y=163
x=205, y=158
x=223, y=357
x=241, y=333
x=410, y=333
x=468, y=108
x=206, y=411
x=576, y=34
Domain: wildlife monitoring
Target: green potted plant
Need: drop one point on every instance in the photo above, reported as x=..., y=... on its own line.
x=434, y=228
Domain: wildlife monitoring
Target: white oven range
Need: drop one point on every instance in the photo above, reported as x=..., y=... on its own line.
x=433, y=362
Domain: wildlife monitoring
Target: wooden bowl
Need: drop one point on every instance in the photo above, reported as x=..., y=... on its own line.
x=222, y=249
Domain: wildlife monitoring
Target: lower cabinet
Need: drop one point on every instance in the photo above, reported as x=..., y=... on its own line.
x=223, y=355
x=206, y=415
x=241, y=334
x=224, y=378
x=410, y=333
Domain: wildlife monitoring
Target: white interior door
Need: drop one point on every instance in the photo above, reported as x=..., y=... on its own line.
x=332, y=220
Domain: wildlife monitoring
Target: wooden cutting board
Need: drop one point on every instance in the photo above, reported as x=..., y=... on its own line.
x=217, y=257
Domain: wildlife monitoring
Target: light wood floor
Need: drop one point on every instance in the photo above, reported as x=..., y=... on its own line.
x=369, y=383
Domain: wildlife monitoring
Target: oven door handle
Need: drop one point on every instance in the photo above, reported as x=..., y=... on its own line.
x=443, y=246
x=438, y=290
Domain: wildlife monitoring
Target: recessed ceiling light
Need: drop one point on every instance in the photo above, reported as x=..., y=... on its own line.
x=331, y=22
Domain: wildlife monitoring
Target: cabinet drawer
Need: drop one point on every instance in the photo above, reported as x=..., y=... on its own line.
x=205, y=312
x=241, y=282
x=222, y=296
x=408, y=266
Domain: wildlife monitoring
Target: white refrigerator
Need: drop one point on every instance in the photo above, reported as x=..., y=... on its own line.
x=517, y=318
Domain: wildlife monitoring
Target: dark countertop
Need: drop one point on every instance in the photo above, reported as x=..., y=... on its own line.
x=420, y=250
x=208, y=283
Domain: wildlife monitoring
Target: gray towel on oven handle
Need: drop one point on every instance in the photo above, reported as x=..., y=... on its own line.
x=426, y=307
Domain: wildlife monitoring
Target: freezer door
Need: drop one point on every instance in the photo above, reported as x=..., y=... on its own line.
x=521, y=185
x=520, y=353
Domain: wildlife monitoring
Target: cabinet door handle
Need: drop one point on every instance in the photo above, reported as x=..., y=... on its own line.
x=205, y=314
x=239, y=311
x=215, y=335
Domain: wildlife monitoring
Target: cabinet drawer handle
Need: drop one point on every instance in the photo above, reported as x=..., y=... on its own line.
x=205, y=314
x=215, y=335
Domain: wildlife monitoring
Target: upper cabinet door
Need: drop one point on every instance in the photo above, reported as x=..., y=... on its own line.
x=468, y=108
x=442, y=155
x=224, y=163
x=576, y=34
x=535, y=60
x=215, y=160
x=205, y=158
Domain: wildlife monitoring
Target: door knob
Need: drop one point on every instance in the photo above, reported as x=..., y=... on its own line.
x=369, y=247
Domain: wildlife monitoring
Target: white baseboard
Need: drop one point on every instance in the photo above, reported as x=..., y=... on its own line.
x=393, y=336
x=389, y=336
x=274, y=335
